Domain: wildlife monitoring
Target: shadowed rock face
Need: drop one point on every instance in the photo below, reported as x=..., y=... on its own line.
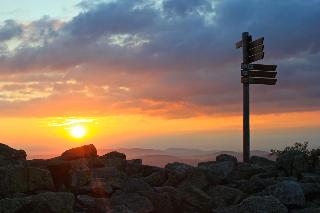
x=6, y=152
x=81, y=181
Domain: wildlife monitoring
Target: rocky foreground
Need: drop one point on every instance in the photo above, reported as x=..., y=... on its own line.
x=81, y=181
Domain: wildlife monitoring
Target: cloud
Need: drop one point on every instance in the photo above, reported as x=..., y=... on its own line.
x=175, y=54
x=9, y=30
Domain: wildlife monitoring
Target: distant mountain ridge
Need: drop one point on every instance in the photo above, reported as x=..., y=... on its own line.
x=158, y=157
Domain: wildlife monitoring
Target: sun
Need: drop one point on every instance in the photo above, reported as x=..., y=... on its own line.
x=78, y=131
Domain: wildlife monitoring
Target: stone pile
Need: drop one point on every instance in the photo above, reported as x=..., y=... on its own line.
x=81, y=181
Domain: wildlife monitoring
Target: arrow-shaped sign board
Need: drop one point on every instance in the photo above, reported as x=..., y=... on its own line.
x=256, y=43
x=256, y=50
x=267, y=81
x=262, y=67
x=256, y=57
x=260, y=74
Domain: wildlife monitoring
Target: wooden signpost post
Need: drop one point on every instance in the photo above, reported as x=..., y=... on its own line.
x=252, y=74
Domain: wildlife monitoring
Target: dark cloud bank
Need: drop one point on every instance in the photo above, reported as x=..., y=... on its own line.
x=176, y=51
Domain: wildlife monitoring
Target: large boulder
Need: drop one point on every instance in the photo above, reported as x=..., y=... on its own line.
x=86, y=151
x=6, y=152
x=157, y=178
x=15, y=179
x=135, y=185
x=10, y=156
x=195, y=200
x=161, y=200
x=176, y=173
x=134, y=168
x=194, y=177
x=97, y=187
x=61, y=173
x=173, y=194
x=132, y=201
x=218, y=172
x=226, y=157
x=52, y=202
x=261, y=161
x=223, y=196
x=246, y=171
x=112, y=176
x=289, y=193
x=293, y=163
x=255, y=184
x=310, y=189
x=114, y=159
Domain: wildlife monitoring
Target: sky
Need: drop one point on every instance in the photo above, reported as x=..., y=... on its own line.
x=155, y=73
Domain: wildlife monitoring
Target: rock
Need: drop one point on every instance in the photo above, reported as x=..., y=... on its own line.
x=15, y=179
x=80, y=178
x=226, y=157
x=173, y=194
x=195, y=199
x=98, y=187
x=135, y=185
x=261, y=161
x=60, y=172
x=257, y=204
x=6, y=152
x=134, y=168
x=148, y=170
x=39, y=163
x=86, y=201
x=306, y=210
x=111, y=175
x=39, y=179
x=114, y=159
x=255, y=184
x=10, y=156
x=161, y=201
x=246, y=171
x=223, y=196
x=133, y=201
x=86, y=151
x=114, y=155
x=218, y=172
x=293, y=163
x=309, y=178
x=52, y=202
x=176, y=173
x=157, y=178
x=310, y=189
x=194, y=177
x=288, y=192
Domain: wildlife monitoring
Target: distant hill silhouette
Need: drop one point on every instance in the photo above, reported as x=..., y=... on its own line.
x=157, y=157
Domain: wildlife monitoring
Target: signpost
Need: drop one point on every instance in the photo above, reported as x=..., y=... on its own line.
x=252, y=74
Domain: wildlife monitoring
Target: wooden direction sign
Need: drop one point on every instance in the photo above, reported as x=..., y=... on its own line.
x=252, y=74
x=256, y=50
x=267, y=81
x=256, y=43
x=252, y=44
x=262, y=67
x=258, y=73
x=256, y=57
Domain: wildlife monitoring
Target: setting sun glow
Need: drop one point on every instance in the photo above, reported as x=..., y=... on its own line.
x=78, y=131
